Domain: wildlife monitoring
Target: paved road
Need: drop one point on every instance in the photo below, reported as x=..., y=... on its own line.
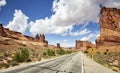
x=72, y=63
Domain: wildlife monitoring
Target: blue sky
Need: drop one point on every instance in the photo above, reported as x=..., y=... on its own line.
x=62, y=21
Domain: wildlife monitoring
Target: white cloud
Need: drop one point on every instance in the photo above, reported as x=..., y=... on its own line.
x=65, y=40
x=2, y=3
x=45, y=26
x=98, y=35
x=70, y=12
x=19, y=22
x=88, y=37
x=66, y=43
x=58, y=41
x=81, y=32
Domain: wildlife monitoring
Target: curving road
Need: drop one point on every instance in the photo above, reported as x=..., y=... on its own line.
x=72, y=63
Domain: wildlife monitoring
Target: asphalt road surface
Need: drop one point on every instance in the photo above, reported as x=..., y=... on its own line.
x=72, y=63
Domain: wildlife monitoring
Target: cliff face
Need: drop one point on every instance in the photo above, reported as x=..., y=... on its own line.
x=6, y=33
x=83, y=45
x=109, y=29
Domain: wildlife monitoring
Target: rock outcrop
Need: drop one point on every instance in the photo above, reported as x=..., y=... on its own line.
x=6, y=33
x=2, y=32
x=41, y=38
x=29, y=37
x=58, y=46
x=109, y=30
x=83, y=45
x=37, y=38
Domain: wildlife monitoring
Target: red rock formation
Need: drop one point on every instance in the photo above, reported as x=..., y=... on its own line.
x=14, y=34
x=46, y=43
x=83, y=45
x=109, y=29
x=29, y=37
x=37, y=38
x=58, y=46
x=42, y=38
x=2, y=32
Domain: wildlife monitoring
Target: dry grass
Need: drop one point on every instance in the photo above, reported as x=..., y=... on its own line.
x=109, y=59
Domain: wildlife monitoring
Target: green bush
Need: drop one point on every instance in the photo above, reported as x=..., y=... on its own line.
x=44, y=53
x=22, y=55
x=50, y=52
x=60, y=51
x=68, y=52
x=86, y=51
x=105, y=53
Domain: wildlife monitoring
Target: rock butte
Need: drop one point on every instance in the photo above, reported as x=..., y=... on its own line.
x=109, y=30
x=84, y=45
x=58, y=46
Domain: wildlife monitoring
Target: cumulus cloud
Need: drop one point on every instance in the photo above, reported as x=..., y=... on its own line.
x=2, y=3
x=67, y=13
x=45, y=26
x=81, y=32
x=89, y=36
x=19, y=22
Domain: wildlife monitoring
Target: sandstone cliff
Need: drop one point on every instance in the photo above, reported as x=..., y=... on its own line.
x=83, y=45
x=109, y=30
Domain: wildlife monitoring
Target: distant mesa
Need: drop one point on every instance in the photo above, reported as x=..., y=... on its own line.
x=109, y=30
x=84, y=45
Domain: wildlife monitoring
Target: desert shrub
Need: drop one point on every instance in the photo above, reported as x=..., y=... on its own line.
x=60, y=51
x=22, y=55
x=105, y=53
x=14, y=63
x=86, y=51
x=107, y=50
x=50, y=52
x=115, y=69
x=6, y=54
x=44, y=53
x=68, y=51
x=4, y=65
x=98, y=53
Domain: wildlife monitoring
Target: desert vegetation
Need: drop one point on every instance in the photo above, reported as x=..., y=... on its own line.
x=107, y=59
x=25, y=55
